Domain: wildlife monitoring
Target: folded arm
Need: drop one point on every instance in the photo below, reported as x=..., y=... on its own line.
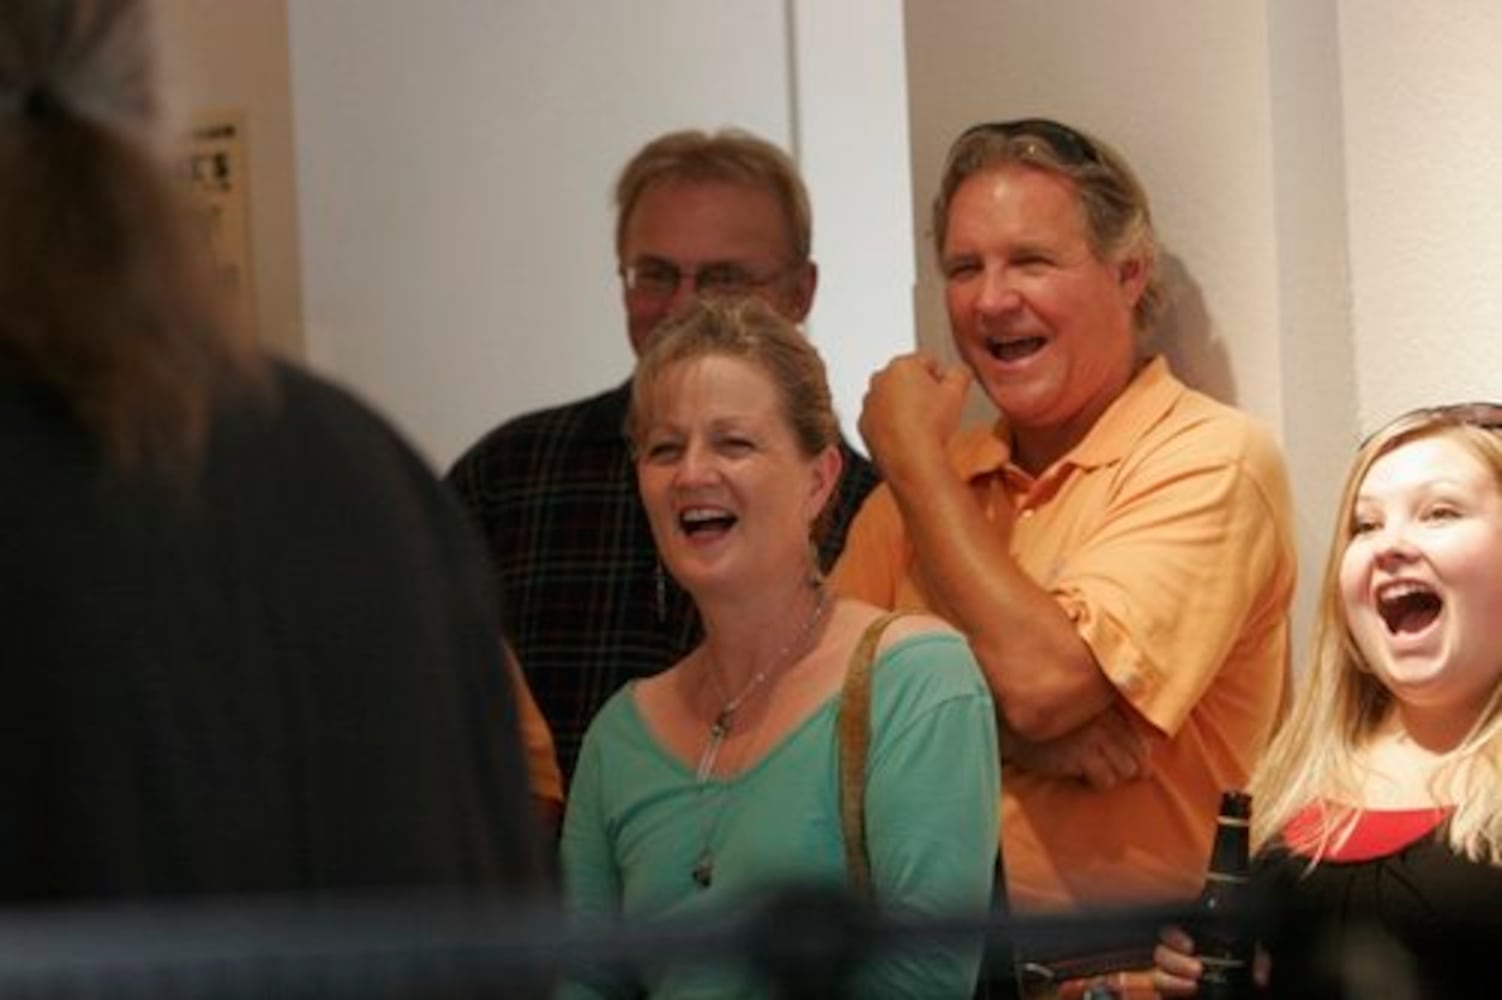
x=1044, y=677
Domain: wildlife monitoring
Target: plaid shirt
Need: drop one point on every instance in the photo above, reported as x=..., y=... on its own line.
x=586, y=602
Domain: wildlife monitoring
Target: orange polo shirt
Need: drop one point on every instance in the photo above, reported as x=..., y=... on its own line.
x=544, y=777
x=1167, y=536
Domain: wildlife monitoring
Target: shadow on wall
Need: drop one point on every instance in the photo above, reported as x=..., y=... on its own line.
x=1185, y=335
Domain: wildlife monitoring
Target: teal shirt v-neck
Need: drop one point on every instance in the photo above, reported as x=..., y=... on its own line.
x=638, y=821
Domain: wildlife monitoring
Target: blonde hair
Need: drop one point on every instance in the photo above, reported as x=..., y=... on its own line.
x=1314, y=757
x=748, y=329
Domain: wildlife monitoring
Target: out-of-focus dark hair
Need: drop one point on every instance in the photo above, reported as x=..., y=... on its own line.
x=107, y=292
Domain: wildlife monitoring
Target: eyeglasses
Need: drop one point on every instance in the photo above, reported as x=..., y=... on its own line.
x=1069, y=145
x=1487, y=416
x=660, y=279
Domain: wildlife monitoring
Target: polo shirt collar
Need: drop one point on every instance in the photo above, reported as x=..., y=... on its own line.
x=1152, y=392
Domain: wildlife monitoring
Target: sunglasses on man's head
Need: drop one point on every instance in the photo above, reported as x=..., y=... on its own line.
x=1068, y=145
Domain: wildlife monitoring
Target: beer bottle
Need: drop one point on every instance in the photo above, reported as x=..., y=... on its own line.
x=1223, y=940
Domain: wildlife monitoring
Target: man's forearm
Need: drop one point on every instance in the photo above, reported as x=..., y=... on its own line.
x=1042, y=674
x=1111, y=748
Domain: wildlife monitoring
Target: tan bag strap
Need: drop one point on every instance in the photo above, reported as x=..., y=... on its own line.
x=854, y=732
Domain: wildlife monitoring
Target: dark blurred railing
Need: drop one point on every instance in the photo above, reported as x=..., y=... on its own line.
x=427, y=946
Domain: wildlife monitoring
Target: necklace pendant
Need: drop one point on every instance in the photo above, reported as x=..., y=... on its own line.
x=703, y=871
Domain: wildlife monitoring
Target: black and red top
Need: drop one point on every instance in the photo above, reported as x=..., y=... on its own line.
x=1394, y=905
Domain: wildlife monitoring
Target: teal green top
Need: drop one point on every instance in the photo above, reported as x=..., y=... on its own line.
x=638, y=821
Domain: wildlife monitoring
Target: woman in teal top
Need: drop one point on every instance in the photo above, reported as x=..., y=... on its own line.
x=700, y=788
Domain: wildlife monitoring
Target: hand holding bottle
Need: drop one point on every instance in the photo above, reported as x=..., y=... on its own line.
x=1221, y=965
x=1178, y=971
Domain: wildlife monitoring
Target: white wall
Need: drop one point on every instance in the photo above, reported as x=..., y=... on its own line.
x=1316, y=364
x=1423, y=103
x=455, y=160
x=851, y=121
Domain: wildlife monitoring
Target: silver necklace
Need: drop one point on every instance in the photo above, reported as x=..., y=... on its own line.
x=703, y=870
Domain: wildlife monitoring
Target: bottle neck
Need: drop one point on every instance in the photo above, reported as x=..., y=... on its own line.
x=1230, y=855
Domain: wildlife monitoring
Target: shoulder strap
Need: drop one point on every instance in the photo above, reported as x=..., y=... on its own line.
x=854, y=733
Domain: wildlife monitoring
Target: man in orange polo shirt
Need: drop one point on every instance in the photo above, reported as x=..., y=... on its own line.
x=1118, y=548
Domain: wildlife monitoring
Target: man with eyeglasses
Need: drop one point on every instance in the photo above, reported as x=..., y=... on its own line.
x=589, y=605
x=1118, y=547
